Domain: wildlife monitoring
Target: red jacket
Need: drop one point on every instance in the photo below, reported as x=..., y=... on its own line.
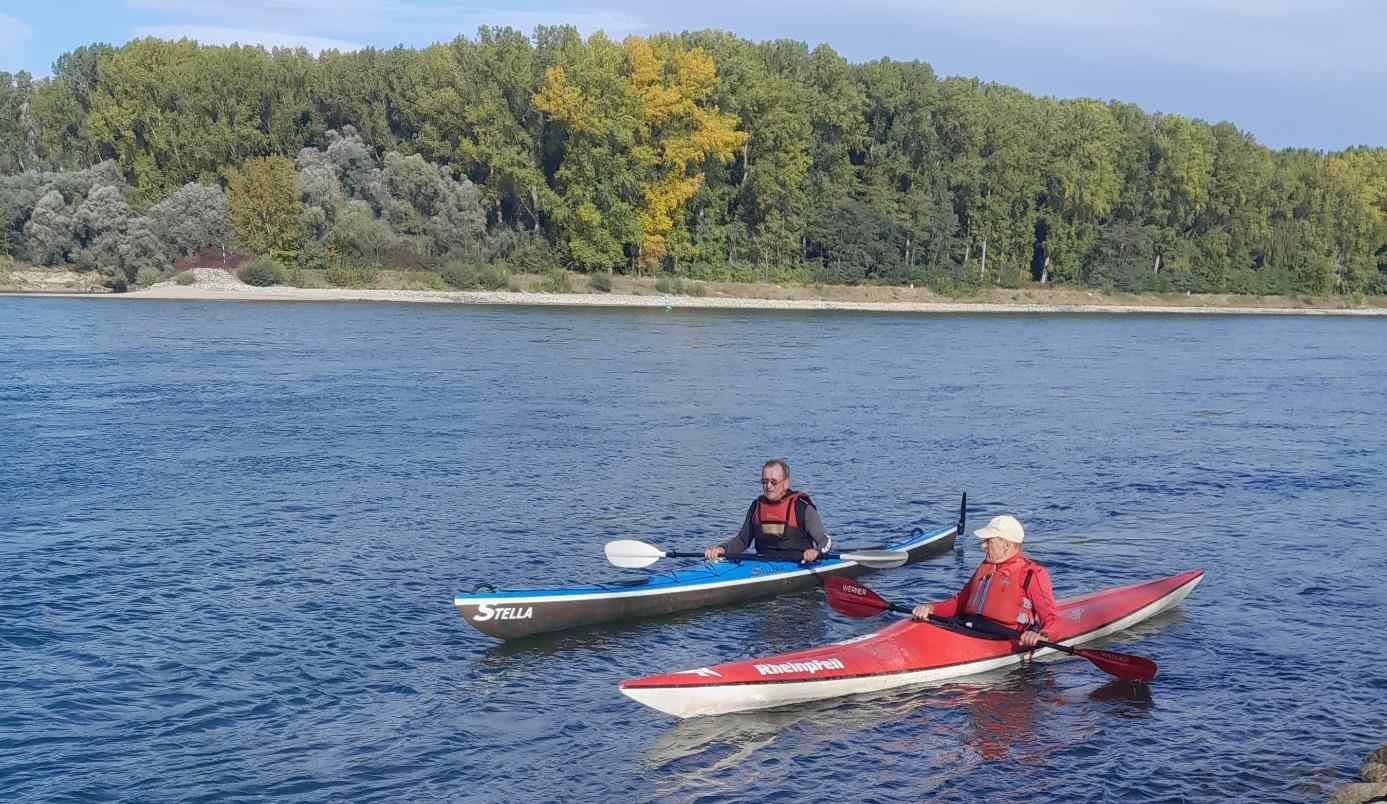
x=1016, y=592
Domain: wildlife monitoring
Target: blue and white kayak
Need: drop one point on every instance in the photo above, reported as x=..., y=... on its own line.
x=516, y=614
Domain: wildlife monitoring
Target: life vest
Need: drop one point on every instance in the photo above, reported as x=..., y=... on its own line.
x=776, y=526
x=998, y=592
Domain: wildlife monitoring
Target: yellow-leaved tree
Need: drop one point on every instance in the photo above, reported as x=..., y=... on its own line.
x=639, y=128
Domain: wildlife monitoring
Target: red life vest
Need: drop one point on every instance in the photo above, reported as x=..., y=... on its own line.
x=998, y=591
x=776, y=526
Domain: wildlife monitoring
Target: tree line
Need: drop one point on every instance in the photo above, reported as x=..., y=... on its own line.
x=700, y=155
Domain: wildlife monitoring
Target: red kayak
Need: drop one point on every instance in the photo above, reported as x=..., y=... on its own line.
x=903, y=653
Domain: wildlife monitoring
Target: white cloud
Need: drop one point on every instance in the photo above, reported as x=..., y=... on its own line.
x=212, y=35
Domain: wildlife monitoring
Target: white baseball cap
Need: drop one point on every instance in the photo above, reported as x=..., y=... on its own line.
x=1002, y=527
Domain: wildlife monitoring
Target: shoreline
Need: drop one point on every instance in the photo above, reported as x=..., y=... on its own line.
x=280, y=293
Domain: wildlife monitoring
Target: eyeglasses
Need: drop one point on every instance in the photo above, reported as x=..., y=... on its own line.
x=771, y=481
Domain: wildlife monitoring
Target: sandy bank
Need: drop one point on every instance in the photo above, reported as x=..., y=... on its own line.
x=215, y=285
x=288, y=294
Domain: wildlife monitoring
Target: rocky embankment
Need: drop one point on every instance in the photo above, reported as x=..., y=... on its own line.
x=1373, y=786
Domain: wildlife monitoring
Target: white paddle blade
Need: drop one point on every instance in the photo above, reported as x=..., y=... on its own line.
x=877, y=559
x=632, y=554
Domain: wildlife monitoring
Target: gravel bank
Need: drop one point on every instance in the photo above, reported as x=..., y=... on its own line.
x=216, y=285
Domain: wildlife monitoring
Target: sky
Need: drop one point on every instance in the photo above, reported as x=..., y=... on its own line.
x=1293, y=73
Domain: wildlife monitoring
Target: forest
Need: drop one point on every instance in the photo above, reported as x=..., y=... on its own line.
x=699, y=155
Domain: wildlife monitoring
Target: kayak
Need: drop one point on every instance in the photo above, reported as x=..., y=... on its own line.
x=904, y=653
x=516, y=614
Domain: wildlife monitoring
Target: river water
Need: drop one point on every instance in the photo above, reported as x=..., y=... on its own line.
x=231, y=532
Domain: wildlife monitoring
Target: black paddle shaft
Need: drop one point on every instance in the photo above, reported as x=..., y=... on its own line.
x=979, y=627
x=990, y=629
x=747, y=557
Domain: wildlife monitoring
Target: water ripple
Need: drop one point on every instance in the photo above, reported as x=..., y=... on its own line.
x=230, y=544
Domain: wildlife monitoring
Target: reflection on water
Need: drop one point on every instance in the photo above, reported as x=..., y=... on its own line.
x=790, y=622
x=995, y=718
x=592, y=637
x=722, y=755
x=1130, y=698
x=1134, y=635
x=1002, y=717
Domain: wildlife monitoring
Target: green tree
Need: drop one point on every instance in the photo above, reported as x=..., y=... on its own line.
x=373, y=91
x=61, y=106
x=476, y=113
x=360, y=236
x=263, y=208
x=1082, y=185
x=1183, y=154
x=17, y=144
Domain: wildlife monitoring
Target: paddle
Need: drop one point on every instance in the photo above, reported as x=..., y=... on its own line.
x=855, y=600
x=632, y=554
x=962, y=518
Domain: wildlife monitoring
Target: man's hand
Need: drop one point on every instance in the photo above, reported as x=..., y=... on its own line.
x=1030, y=638
x=809, y=555
x=713, y=553
x=922, y=611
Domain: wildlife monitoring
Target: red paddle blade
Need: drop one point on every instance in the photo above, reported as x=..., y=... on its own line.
x=853, y=599
x=1122, y=665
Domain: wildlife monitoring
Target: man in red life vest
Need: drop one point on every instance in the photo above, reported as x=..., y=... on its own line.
x=783, y=523
x=1006, y=587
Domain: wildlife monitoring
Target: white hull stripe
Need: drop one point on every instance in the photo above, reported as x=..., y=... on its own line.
x=560, y=597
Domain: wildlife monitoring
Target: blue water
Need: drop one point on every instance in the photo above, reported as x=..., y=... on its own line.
x=230, y=534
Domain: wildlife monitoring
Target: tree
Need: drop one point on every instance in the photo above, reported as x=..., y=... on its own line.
x=1183, y=158
x=373, y=91
x=104, y=210
x=61, y=106
x=638, y=114
x=193, y=217
x=17, y=144
x=1082, y=185
x=262, y=207
x=426, y=202
x=854, y=242
x=476, y=114
x=127, y=254
x=359, y=233
x=903, y=169
x=1356, y=203
x=48, y=235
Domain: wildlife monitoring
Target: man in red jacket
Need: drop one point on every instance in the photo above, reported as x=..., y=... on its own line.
x=1006, y=587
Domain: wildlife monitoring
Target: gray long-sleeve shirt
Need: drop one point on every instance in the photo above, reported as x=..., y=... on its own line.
x=812, y=525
